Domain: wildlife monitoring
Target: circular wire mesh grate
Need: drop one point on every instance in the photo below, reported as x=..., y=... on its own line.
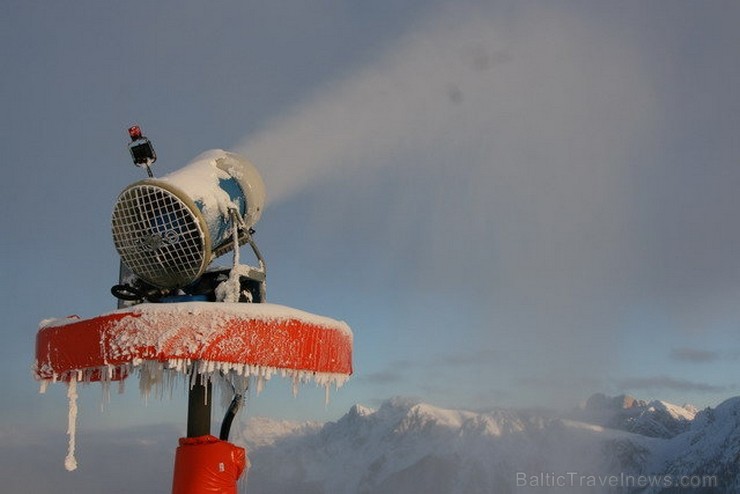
x=158, y=236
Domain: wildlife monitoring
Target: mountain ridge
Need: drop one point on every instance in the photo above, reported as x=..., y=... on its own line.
x=411, y=446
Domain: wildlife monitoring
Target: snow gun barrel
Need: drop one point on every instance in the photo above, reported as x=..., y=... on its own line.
x=168, y=230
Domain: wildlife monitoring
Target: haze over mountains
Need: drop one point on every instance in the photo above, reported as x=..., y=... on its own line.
x=406, y=446
x=608, y=444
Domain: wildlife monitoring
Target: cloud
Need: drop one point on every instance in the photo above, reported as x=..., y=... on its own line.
x=388, y=376
x=694, y=355
x=475, y=358
x=666, y=383
x=437, y=361
x=437, y=379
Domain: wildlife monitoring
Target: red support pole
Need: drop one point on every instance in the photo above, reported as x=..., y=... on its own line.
x=207, y=465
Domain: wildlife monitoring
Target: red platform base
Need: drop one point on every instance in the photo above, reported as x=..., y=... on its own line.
x=213, y=340
x=196, y=337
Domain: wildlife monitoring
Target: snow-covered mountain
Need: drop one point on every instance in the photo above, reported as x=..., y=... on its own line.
x=610, y=445
x=648, y=418
x=710, y=447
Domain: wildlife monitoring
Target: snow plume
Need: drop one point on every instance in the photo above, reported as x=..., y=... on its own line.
x=492, y=154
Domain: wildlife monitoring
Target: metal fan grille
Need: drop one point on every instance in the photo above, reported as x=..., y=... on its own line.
x=158, y=236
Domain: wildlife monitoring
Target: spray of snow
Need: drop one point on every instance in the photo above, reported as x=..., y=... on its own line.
x=489, y=125
x=70, y=462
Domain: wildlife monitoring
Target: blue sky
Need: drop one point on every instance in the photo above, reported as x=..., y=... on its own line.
x=511, y=203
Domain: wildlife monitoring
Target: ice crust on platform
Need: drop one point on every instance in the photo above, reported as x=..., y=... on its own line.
x=150, y=328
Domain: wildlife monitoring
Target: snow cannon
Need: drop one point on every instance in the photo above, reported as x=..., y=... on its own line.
x=180, y=319
x=168, y=230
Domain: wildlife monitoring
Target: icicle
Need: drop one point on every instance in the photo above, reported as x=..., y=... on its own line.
x=228, y=291
x=296, y=385
x=204, y=382
x=105, y=394
x=70, y=462
x=235, y=234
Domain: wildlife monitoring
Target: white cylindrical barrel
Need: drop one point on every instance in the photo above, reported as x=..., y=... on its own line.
x=167, y=229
